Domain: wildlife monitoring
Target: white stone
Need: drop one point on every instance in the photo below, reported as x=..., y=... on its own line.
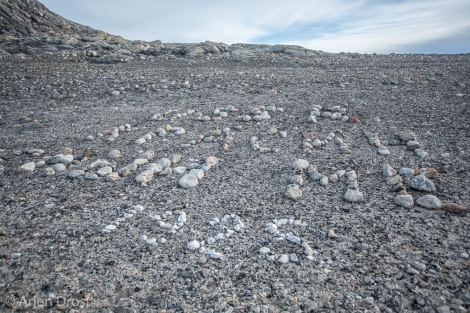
x=138, y=208
x=338, y=141
x=393, y=180
x=265, y=115
x=340, y=173
x=59, y=167
x=161, y=132
x=164, y=162
x=271, y=227
x=175, y=158
x=212, y=160
x=140, y=141
x=333, y=178
x=145, y=176
x=421, y=153
x=188, y=181
x=216, y=255
x=293, y=239
x=199, y=173
x=429, y=202
x=300, y=164
x=48, y=171
x=179, y=169
x=284, y=258
x=293, y=258
x=293, y=192
x=406, y=172
x=353, y=195
x=110, y=227
x=66, y=159
x=405, y=201
x=76, y=173
x=40, y=163
x=147, y=137
x=388, y=171
x=316, y=143
x=149, y=155
x=36, y=151
x=336, y=116
x=27, y=168
x=351, y=174
x=114, y=154
x=182, y=218
x=312, y=119
x=151, y=241
x=324, y=181
x=156, y=168
x=140, y=161
x=105, y=170
x=421, y=182
x=193, y=245
x=90, y=176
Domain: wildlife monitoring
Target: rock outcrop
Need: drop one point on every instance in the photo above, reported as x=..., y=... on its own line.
x=28, y=27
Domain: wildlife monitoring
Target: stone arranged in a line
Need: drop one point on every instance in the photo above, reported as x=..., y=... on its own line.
x=310, y=142
x=107, y=170
x=374, y=140
x=111, y=227
x=112, y=134
x=162, y=132
x=411, y=143
x=294, y=192
x=172, y=228
x=192, y=179
x=333, y=113
x=274, y=229
x=418, y=179
x=58, y=162
x=228, y=225
x=259, y=114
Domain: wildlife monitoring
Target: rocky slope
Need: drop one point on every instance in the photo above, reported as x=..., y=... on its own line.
x=29, y=27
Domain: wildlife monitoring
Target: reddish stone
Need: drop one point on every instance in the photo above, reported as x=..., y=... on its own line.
x=353, y=120
x=454, y=208
x=309, y=136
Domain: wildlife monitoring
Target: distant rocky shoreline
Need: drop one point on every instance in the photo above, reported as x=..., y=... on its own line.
x=28, y=27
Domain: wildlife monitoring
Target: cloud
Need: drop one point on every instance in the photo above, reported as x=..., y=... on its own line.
x=386, y=28
x=336, y=25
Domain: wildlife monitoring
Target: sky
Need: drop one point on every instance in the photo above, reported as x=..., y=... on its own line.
x=364, y=26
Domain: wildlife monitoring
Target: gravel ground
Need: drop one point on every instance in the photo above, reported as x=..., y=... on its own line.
x=59, y=252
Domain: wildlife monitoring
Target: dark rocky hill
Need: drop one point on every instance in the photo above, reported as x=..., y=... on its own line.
x=27, y=26
x=26, y=18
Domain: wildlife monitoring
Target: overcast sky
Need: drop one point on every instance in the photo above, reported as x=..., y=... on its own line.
x=365, y=26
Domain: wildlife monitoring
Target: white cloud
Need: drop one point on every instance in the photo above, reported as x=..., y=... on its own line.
x=361, y=26
x=387, y=28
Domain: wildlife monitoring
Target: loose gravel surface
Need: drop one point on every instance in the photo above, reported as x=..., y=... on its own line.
x=274, y=184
